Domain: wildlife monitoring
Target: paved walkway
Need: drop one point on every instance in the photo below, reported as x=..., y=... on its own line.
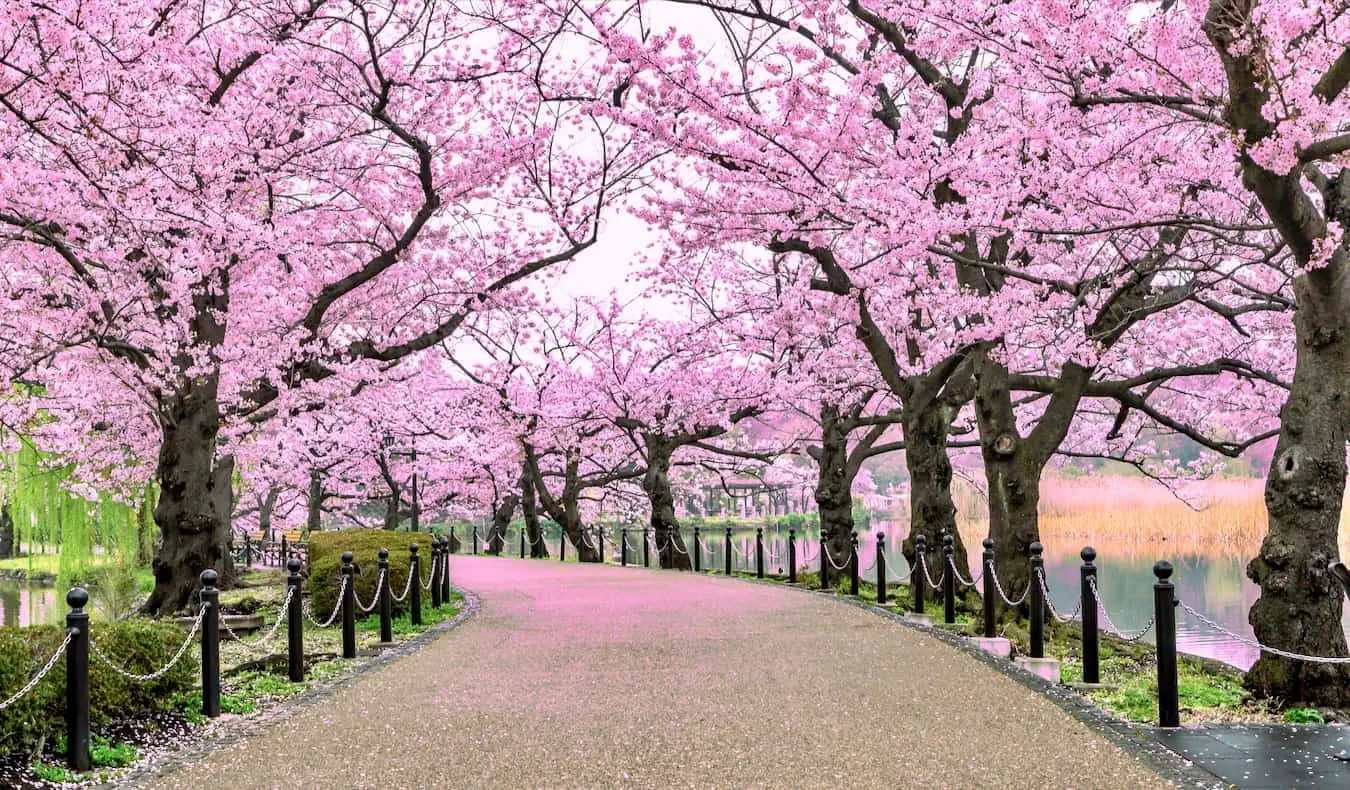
x=598, y=676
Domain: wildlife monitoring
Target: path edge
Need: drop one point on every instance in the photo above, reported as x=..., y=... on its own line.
x=234, y=730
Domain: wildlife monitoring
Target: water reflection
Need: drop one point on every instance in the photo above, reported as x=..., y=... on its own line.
x=23, y=605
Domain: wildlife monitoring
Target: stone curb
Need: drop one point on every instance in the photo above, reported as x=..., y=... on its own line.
x=231, y=731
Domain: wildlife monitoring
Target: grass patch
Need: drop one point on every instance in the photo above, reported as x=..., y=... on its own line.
x=1303, y=716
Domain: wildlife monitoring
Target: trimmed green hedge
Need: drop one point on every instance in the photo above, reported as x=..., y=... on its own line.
x=138, y=646
x=325, y=565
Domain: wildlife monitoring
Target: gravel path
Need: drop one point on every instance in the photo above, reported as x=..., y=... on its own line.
x=589, y=676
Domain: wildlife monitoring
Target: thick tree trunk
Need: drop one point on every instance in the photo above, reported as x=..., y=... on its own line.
x=314, y=505
x=266, y=508
x=391, y=511
x=195, y=493
x=501, y=520
x=529, y=510
x=6, y=534
x=932, y=513
x=834, y=494
x=1013, y=479
x=671, y=550
x=1300, y=604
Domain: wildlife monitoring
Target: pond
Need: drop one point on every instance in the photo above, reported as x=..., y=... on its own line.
x=1214, y=583
x=23, y=604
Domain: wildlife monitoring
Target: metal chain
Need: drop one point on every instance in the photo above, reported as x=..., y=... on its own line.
x=431, y=573
x=951, y=563
x=276, y=626
x=870, y=565
x=998, y=586
x=337, y=607
x=836, y=566
x=196, y=626
x=379, y=584
x=32, y=684
x=1045, y=590
x=407, y=588
x=1106, y=618
x=1275, y=651
x=923, y=563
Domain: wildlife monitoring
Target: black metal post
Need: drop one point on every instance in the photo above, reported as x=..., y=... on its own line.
x=949, y=580
x=1037, y=600
x=600, y=542
x=646, y=549
x=445, y=573
x=1165, y=619
x=386, y=604
x=210, y=644
x=522, y=541
x=824, y=566
x=990, y=594
x=415, y=599
x=916, y=572
x=623, y=550
x=792, y=556
x=698, y=551
x=248, y=551
x=475, y=540
x=562, y=544
x=436, y=560
x=728, y=552
x=881, y=567
x=1091, y=638
x=295, y=624
x=77, y=680
x=285, y=550
x=416, y=525
x=348, y=606
x=759, y=552
x=452, y=535
x=853, y=565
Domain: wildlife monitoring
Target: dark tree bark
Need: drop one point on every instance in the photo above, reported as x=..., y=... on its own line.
x=565, y=509
x=6, y=534
x=834, y=492
x=501, y=520
x=266, y=507
x=932, y=513
x=671, y=550
x=529, y=510
x=314, y=503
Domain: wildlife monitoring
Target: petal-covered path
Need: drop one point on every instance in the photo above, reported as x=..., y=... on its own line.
x=597, y=676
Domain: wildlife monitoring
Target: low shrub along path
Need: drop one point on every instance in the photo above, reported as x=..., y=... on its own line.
x=596, y=676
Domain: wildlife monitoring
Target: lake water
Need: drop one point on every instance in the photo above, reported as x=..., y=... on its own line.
x=1216, y=585
x=22, y=604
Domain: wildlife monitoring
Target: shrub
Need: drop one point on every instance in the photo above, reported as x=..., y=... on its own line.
x=325, y=565
x=139, y=646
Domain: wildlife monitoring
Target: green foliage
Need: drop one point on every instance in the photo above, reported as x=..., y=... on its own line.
x=1303, y=716
x=325, y=563
x=139, y=646
x=56, y=774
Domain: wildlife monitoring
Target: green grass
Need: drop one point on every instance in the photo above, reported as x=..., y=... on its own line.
x=1303, y=716
x=56, y=774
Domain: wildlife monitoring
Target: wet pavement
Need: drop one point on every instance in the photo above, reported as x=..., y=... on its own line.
x=1261, y=756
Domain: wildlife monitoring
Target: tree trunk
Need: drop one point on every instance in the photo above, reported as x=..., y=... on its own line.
x=1300, y=605
x=6, y=533
x=529, y=510
x=932, y=513
x=1013, y=479
x=266, y=508
x=145, y=530
x=834, y=494
x=391, y=511
x=501, y=520
x=671, y=550
x=314, y=504
x=195, y=493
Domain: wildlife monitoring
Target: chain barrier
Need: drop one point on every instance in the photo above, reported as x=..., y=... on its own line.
x=32, y=684
x=835, y=565
x=337, y=607
x=196, y=626
x=871, y=565
x=923, y=563
x=1274, y=651
x=1054, y=611
x=999, y=587
x=407, y=588
x=951, y=563
x=276, y=626
x=431, y=573
x=375, y=599
x=1106, y=618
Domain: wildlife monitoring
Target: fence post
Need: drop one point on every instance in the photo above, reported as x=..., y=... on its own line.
x=1037, y=599
x=792, y=556
x=949, y=580
x=1165, y=617
x=646, y=549
x=475, y=540
x=881, y=567
x=415, y=601
x=285, y=550
x=435, y=573
x=853, y=565
x=1091, y=638
x=623, y=550
x=562, y=544
x=348, y=606
x=210, y=644
x=248, y=551
x=295, y=624
x=824, y=567
x=452, y=535
x=916, y=572
x=698, y=551
x=386, y=605
x=728, y=551
x=445, y=573
x=759, y=552
x=77, y=680
x=600, y=542
x=990, y=601
x=522, y=541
